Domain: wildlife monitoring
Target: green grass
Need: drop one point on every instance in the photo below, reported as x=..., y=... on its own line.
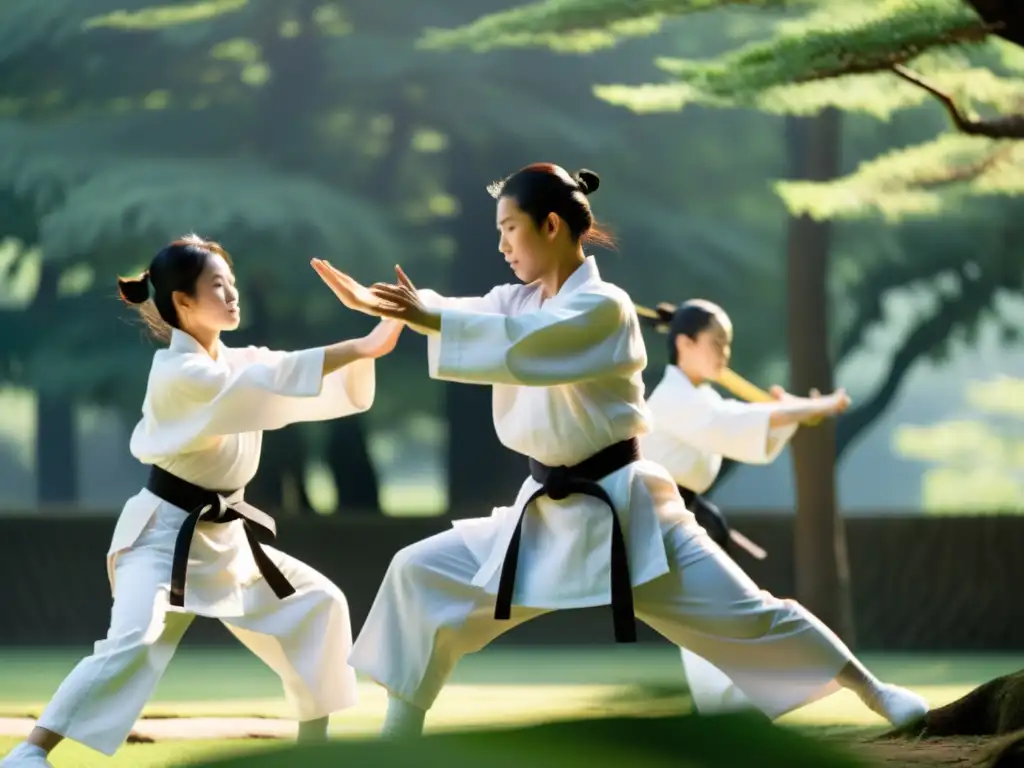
x=498, y=685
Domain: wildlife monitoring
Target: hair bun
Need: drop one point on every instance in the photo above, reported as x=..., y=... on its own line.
x=588, y=181
x=134, y=290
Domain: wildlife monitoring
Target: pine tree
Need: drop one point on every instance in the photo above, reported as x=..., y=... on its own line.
x=288, y=129
x=125, y=125
x=875, y=58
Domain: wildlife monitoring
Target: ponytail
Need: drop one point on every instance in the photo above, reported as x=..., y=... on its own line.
x=688, y=319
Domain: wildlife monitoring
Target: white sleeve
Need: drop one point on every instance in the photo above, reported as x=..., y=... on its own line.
x=346, y=391
x=586, y=337
x=493, y=301
x=191, y=397
x=737, y=430
x=778, y=439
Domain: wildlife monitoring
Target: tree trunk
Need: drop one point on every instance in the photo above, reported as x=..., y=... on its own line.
x=56, y=455
x=355, y=477
x=482, y=473
x=821, y=567
x=280, y=483
x=298, y=89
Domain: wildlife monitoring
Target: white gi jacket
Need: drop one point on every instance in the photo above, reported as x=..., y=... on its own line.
x=694, y=427
x=203, y=420
x=567, y=383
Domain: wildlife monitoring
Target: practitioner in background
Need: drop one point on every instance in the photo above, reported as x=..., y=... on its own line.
x=694, y=428
x=188, y=545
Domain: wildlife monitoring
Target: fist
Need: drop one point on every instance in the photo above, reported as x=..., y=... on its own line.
x=840, y=401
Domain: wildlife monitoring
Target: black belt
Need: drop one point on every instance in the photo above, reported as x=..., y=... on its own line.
x=712, y=520
x=559, y=483
x=213, y=507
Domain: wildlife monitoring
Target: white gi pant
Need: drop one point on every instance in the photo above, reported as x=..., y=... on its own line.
x=427, y=615
x=711, y=690
x=305, y=638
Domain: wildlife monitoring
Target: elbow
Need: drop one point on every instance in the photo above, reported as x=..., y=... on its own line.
x=362, y=405
x=520, y=375
x=360, y=384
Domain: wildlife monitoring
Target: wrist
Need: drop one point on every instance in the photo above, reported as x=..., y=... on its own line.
x=426, y=321
x=432, y=320
x=338, y=355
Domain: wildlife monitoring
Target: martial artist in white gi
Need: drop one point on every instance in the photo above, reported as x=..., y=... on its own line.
x=594, y=523
x=205, y=408
x=694, y=427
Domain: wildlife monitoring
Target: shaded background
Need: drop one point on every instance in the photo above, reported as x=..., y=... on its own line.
x=293, y=129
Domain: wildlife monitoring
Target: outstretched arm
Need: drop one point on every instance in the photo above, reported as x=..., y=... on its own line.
x=192, y=397
x=368, y=300
x=586, y=337
x=745, y=432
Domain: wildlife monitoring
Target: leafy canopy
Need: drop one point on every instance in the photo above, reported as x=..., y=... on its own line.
x=877, y=58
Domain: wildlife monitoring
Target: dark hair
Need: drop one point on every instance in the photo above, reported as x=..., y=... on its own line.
x=543, y=188
x=688, y=319
x=175, y=268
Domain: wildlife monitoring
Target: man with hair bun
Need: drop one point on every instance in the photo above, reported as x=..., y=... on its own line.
x=594, y=523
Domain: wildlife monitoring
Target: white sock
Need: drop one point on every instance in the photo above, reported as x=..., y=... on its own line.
x=27, y=749
x=403, y=718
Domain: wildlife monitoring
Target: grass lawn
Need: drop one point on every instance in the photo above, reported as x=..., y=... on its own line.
x=497, y=686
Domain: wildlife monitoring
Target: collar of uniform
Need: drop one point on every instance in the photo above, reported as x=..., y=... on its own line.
x=184, y=343
x=677, y=379
x=584, y=272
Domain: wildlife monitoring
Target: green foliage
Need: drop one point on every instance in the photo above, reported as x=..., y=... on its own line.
x=888, y=33
x=921, y=180
x=577, y=25
x=153, y=199
x=956, y=267
x=834, y=55
x=977, y=458
x=26, y=25
x=96, y=187
x=160, y=16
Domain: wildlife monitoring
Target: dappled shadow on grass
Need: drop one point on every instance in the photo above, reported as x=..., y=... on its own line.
x=685, y=741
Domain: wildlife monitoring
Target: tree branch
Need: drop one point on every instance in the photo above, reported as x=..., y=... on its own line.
x=1006, y=127
x=924, y=338
x=853, y=63
x=853, y=334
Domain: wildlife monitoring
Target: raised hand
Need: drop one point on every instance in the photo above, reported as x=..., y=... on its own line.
x=349, y=292
x=402, y=302
x=403, y=278
x=829, y=405
x=825, y=406
x=839, y=401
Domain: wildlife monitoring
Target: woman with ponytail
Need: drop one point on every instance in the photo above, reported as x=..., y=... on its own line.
x=594, y=523
x=694, y=427
x=188, y=545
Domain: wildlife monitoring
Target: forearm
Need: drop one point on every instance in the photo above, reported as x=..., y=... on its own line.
x=793, y=413
x=337, y=356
